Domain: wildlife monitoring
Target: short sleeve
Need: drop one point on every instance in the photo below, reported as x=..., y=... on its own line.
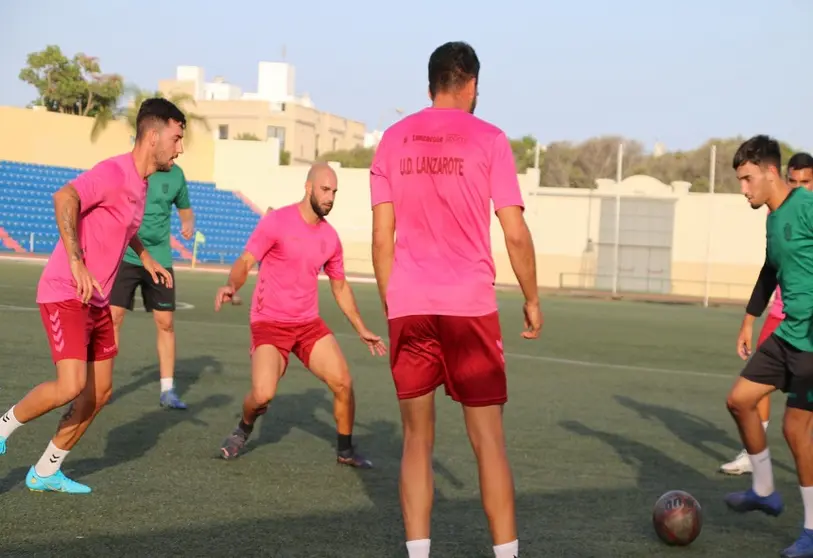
x=334, y=268
x=263, y=238
x=504, y=184
x=95, y=185
x=380, y=188
x=182, y=198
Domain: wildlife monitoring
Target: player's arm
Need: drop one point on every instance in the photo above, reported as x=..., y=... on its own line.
x=508, y=204
x=346, y=301
x=761, y=294
x=85, y=192
x=383, y=245
x=240, y=270
x=185, y=213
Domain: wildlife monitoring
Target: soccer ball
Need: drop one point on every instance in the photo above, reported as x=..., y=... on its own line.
x=677, y=518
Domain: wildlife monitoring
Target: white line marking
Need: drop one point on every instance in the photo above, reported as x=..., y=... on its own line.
x=522, y=356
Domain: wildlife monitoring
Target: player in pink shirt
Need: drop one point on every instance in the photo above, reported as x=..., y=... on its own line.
x=799, y=175
x=293, y=244
x=433, y=181
x=98, y=215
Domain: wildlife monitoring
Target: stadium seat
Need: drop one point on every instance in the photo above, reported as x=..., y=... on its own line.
x=26, y=212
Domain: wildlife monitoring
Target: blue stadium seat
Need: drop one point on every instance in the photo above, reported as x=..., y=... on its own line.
x=26, y=209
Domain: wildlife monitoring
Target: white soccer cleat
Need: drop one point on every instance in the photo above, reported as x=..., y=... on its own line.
x=741, y=465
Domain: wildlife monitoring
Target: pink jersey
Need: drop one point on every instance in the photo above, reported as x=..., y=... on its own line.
x=111, y=206
x=291, y=253
x=777, y=308
x=442, y=169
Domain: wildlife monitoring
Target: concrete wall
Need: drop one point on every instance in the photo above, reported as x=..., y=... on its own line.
x=721, y=229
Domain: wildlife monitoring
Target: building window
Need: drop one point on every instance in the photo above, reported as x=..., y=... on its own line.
x=316, y=141
x=276, y=132
x=223, y=131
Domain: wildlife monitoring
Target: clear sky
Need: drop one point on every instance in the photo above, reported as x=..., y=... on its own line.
x=679, y=72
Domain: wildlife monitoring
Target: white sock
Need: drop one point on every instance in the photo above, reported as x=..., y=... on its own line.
x=807, y=498
x=51, y=461
x=418, y=548
x=9, y=423
x=765, y=425
x=763, y=472
x=166, y=384
x=507, y=550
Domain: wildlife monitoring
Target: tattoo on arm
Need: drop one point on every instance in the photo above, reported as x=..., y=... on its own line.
x=67, y=216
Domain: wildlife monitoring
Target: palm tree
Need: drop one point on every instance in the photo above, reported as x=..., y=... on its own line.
x=129, y=113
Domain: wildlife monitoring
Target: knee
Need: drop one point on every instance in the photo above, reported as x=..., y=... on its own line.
x=103, y=398
x=795, y=427
x=738, y=404
x=69, y=388
x=164, y=323
x=342, y=385
x=262, y=395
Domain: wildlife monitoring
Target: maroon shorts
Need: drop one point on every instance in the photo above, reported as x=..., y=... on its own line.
x=78, y=331
x=770, y=325
x=287, y=337
x=464, y=354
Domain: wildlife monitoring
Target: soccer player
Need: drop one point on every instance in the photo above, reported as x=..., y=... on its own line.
x=784, y=361
x=434, y=177
x=166, y=188
x=98, y=215
x=799, y=174
x=293, y=243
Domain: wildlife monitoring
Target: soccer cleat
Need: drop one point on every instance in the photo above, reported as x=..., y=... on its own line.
x=234, y=444
x=802, y=548
x=2, y=445
x=353, y=459
x=740, y=465
x=748, y=500
x=57, y=482
x=170, y=400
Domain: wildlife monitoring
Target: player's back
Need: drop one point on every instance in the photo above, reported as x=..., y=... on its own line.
x=443, y=168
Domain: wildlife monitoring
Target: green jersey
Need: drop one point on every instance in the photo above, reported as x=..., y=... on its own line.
x=165, y=189
x=790, y=252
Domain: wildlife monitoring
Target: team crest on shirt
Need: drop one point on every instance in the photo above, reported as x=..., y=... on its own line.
x=165, y=188
x=788, y=231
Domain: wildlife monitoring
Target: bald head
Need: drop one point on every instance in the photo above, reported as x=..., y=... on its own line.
x=320, y=188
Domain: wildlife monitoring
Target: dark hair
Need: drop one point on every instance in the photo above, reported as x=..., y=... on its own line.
x=451, y=66
x=800, y=161
x=759, y=150
x=157, y=110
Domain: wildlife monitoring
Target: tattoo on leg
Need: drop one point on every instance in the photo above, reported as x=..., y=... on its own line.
x=68, y=414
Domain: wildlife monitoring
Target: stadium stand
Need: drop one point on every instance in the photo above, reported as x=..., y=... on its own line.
x=27, y=216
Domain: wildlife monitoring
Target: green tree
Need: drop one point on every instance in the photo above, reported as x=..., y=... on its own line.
x=70, y=86
x=129, y=113
x=245, y=136
x=356, y=158
x=524, y=150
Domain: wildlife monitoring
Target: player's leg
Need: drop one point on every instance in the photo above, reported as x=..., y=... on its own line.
x=46, y=474
x=68, y=337
x=160, y=300
x=417, y=371
x=319, y=351
x=742, y=464
x=475, y=367
x=122, y=295
x=270, y=346
x=797, y=426
x=763, y=374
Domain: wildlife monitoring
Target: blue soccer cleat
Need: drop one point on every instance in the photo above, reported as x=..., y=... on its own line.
x=2, y=445
x=748, y=500
x=170, y=400
x=802, y=548
x=57, y=482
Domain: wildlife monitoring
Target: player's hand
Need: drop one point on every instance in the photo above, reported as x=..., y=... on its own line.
x=158, y=272
x=373, y=342
x=187, y=230
x=533, y=320
x=85, y=282
x=744, y=341
x=224, y=295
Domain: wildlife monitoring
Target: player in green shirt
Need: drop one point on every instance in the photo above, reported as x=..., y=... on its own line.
x=165, y=190
x=784, y=361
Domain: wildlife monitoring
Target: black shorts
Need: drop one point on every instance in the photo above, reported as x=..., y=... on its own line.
x=777, y=363
x=156, y=296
